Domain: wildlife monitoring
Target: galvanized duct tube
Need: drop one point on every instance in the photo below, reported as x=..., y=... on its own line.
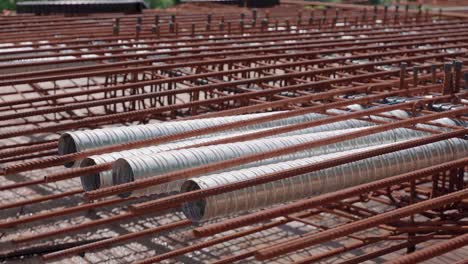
x=403, y=115
x=104, y=179
x=315, y=183
x=76, y=141
x=443, y=121
x=139, y=167
x=356, y=107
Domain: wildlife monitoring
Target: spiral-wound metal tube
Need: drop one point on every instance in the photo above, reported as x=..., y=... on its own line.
x=401, y=114
x=314, y=183
x=356, y=107
x=443, y=121
x=104, y=179
x=71, y=142
x=76, y=141
x=138, y=167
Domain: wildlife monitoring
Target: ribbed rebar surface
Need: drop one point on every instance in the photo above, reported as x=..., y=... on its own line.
x=306, y=132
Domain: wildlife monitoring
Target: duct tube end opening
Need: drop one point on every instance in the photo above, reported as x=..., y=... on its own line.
x=67, y=145
x=90, y=181
x=193, y=210
x=122, y=172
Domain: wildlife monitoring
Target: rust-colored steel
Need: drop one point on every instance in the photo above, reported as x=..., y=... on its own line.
x=119, y=239
x=396, y=66
x=59, y=212
x=72, y=228
x=40, y=199
x=433, y=251
x=211, y=242
x=386, y=217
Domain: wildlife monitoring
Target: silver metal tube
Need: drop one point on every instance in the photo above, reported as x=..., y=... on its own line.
x=104, y=179
x=443, y=121
x=77, y=141
x=315, y=183
x=401, y=114
x=356, y=107
x=138, y=167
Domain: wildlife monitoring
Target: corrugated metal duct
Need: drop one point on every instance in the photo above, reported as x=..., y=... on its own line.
x=315, y=183
x=402, y=115
x=443, y=121
x=139, y=167
x=356, y=107
x=104, y=179
x=76, y=141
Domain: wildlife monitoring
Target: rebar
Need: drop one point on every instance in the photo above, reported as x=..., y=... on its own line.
x=294, y=94
x=361, y=224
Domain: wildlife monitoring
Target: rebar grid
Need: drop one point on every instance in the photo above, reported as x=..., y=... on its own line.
x=69, y=73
